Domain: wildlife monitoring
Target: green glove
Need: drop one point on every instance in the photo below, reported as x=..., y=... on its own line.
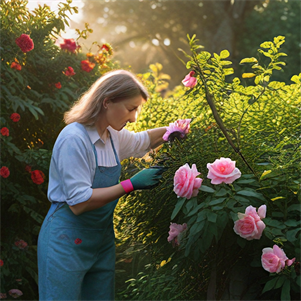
x=147, y=178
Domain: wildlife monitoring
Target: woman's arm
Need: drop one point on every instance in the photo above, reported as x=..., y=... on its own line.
x=99, y=198
x=155, y=136
x=144, y=179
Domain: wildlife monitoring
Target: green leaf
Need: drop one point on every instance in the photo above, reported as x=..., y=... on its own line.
x=206, y=189
x=196, y=209
x=251, y=194
x=270, y=284
x=196, y=228
x=245, y=181
x=243, y=201
x=222, y=192
x=292, y=223
x=285, y=292
x=202, y=215
x=291, y=234
x=216, y=201
x=178, y=207
x=294, y=207
x=191, y=204
x=298, y=280
x=280, y=281
x=212, y=217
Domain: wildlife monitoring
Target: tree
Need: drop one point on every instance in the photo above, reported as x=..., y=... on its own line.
x=145, y=32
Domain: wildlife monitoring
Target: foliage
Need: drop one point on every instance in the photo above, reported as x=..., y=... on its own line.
x=253, y=120
x=40, y=93
x=152, y=31
x=280, y=17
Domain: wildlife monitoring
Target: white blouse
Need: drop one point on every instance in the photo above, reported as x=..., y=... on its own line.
x=127, y=144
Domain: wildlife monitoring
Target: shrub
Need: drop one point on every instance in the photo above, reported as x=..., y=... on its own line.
x=253, y=120
x=37, y=86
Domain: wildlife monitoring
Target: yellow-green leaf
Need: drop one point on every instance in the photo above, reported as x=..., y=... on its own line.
x=248, y=75
x=266, y=172
x=277, y=198
x=249, y=60
x=224, y=54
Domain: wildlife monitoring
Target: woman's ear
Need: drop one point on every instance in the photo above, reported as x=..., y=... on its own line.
x=105, y=102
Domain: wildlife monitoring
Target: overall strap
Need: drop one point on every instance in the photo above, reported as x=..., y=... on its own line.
x=116, y=157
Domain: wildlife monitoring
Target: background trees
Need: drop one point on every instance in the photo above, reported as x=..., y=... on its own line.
x=145, y=32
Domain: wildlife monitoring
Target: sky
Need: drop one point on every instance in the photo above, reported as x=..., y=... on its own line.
x=70, y=33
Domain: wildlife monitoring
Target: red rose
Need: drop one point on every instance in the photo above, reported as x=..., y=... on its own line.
x=16, y=66
x=107, y=48
x=69, y=71
x=69, y=45
x=1, y=263
x=87, y=65
x=21, y=244
x=28, y=168
x=78, y=241
x=5, y=131
x=25, y=42
x=4, y=172
x=15, y=117
x=37, y=177
x=58, y=85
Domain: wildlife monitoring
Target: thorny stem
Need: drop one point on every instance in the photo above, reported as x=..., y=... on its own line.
x=210, y=100
x=243, y=114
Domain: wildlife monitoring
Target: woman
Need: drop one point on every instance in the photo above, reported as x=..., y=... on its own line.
x=76, y=248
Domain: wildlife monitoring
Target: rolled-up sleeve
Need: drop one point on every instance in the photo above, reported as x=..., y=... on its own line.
x=73, y=170
x=133, y=144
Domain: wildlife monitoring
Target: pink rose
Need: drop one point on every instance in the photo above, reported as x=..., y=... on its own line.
x=185, y=182
x=223, y=170
x=180, y=128
x=175, y=230
x=289, y=262
x=250, y=226
x=15, y=293
x=274, y=260
x=189, y=81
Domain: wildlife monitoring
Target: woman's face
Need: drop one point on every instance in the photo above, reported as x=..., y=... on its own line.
x=118, y=114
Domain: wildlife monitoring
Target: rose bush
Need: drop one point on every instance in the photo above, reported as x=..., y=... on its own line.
x=34, y=95
x=255, y=122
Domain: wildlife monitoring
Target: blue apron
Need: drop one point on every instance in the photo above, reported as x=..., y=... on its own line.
x=76, y=254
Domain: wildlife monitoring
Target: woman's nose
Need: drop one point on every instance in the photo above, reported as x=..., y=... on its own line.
x=133, y=116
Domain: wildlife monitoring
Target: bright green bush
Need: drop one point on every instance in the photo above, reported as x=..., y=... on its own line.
x=255, y=121
x=40, y=93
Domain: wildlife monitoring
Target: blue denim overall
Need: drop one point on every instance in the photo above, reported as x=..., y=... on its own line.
x=76, y=254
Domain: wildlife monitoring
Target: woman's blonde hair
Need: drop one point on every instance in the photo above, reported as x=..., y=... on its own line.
x=116, y=85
